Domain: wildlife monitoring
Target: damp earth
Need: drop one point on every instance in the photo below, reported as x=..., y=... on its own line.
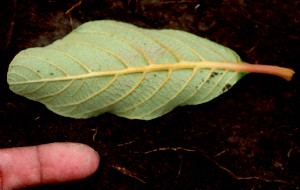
x=248, y=138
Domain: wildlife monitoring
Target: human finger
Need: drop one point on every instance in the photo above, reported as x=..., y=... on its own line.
x=44, y=164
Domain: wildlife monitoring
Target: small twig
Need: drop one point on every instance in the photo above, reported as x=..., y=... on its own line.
x=174, y=2
x=69, y=11
x=218, y=165
x=94, y=135
x=250, y=177
x=127, y=143
x=170, y=148
x=291, y=150
x=166, y=2
x=240, y=177
x=73, y=7
x=125, y=171
x=251, y=49
x=220, y=153
x=180, y=166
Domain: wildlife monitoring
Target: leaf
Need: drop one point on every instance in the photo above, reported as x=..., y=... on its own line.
x=109, y=66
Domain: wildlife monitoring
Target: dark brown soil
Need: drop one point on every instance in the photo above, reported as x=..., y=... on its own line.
x=247, y=138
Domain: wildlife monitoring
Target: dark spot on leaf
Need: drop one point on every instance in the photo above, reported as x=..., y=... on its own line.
x=38, y=71
x=226, y=87
x=51, y=74
x=213, y=74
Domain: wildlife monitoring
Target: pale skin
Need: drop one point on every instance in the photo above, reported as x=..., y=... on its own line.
x=23, y=167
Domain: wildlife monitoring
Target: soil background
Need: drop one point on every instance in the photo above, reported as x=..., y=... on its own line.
x=248, y=138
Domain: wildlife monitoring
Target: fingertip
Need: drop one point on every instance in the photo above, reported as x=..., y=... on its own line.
x=61, y=162
x=43, y=164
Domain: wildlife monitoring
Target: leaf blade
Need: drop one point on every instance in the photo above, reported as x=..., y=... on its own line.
x=109, y=66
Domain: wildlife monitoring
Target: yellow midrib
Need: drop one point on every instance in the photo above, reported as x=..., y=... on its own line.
x=148, y=68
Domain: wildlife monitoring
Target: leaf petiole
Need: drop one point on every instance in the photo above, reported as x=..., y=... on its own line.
x=282, y=72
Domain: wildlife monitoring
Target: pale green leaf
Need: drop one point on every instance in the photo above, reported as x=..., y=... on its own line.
x=109, y=66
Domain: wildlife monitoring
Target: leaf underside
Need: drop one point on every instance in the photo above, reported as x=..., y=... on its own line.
x=109, y=66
